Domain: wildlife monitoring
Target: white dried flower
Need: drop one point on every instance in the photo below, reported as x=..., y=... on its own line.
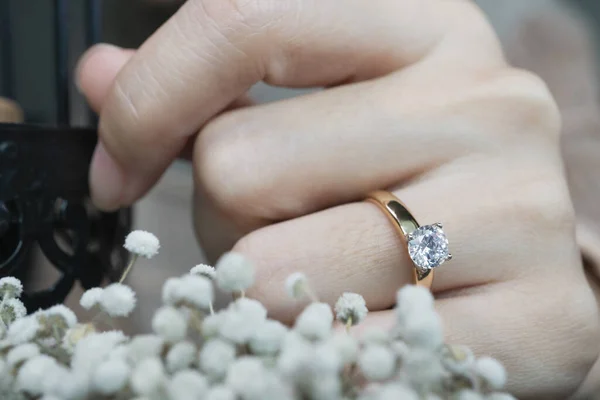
x=237, y=327
x=468, y=394
x=93, y=349
x=91, y=298
x=400, y=348
x=75, y=386
x=295, y=355
x=204, y=270
x=193, y=290
x=346, y=346
x=246, y=376
x=118, y=300
x=396, y=391
x=267, y=338
x=111, y=376
x=169, y=323
x=62, y=312
x=422, y=368
x=21, y=353
x=144, y=346
x=491, y=371
x=23, y=330
x=75, y=334
x=220, y=392
x=212, y=324
x=325, y=360
x=351, y=308
x=169, y=291
x=253, y=309
x=142, y=243
x=181, y=356
x=325, y=387
x=315, y=321
x=50, y=397
x=65, y=384
x=148, y=376
x=10, y=287
x=15, y=310
x=234, y=272
x=6, y=377
x=375, y=335
x=411, y=299
x=120, y=351
x=215, y=358
x=423, y=329
x=278, y=388
x=296, y=285
x=187, y=385
x=377, y=362
x=31, y=375
x=241, y=320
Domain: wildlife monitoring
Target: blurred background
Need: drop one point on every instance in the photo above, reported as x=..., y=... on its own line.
x=28, y=39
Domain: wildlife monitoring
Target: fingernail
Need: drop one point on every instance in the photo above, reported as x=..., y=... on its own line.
x=107, y=180
x=87, y=55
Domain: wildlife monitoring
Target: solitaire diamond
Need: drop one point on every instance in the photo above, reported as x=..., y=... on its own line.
x=428, y=246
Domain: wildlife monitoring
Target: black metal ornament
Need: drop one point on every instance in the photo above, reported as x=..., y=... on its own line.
x=44, y=201
x=44, y=188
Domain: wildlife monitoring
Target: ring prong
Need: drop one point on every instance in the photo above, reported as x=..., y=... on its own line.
x=449, y=257
x=439, y=224
x=410, y=236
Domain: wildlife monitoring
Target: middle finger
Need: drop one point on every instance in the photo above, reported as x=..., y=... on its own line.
x=283, y=160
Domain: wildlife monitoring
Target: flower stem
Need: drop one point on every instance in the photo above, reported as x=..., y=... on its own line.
x=211, y=308
x=348, y=324
x=56, y=335
x=129, y=266
x=310, y=294
x=197, y=320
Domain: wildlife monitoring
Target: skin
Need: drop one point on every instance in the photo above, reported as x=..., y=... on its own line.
x=420, y=101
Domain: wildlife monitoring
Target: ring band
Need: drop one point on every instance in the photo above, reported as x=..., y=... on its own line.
x=427, y=245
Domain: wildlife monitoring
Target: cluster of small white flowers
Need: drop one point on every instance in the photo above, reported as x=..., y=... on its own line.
x=11, y=308
x=142, y=243
x=237, y=352
x=116, y=300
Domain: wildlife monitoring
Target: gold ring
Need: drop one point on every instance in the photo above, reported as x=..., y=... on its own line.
x=427, y=245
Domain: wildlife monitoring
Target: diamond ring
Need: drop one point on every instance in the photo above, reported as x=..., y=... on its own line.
x=427, y=245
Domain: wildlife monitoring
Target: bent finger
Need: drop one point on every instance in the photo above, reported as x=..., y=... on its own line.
x=212, y=51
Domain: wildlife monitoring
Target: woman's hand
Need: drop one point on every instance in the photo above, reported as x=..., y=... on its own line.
x=421, y=102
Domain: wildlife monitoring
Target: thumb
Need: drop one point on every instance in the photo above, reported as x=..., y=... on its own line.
x=97, y=70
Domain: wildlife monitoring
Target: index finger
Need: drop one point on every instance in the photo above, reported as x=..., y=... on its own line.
x=212, y=51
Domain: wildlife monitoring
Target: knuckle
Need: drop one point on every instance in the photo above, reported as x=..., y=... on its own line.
x=224, y=165
x=526, y=103
x=545, y=202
